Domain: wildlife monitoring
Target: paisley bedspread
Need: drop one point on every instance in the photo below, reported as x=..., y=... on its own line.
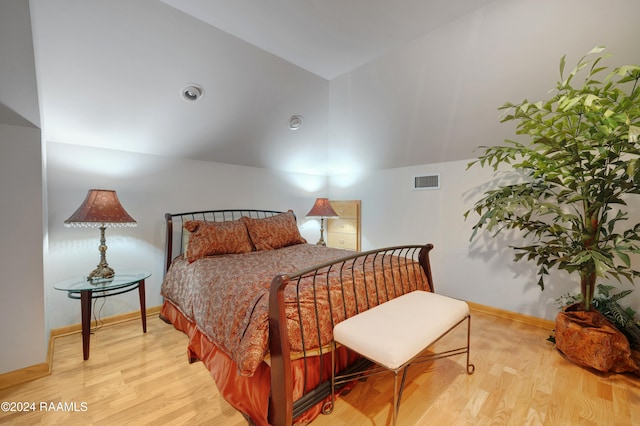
x=227, y=297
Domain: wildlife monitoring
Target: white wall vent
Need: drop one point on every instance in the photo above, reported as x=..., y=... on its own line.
x=426, y=182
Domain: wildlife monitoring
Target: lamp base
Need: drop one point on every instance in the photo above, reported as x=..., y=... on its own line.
x=321, y=240
x=101, y=273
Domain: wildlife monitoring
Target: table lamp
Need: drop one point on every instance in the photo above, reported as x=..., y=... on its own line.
x=101, y=209
x=322, y=209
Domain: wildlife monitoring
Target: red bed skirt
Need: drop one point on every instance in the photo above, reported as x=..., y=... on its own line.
x=249, y=395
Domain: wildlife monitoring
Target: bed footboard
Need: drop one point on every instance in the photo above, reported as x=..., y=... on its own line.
x=340, y=289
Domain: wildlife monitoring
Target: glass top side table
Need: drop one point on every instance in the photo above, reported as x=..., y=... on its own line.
x=122, y=282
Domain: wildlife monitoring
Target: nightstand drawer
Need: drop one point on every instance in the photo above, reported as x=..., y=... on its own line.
x=345, y=209
x=345, y=226
x=343, y=241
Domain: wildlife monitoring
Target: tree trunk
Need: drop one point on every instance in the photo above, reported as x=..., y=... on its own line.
x=588, y=271
x=587, y=288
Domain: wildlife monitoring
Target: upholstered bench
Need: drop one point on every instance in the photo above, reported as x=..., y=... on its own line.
x=394, y=334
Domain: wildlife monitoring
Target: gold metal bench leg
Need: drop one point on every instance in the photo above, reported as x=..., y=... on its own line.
x=397, y=393
x=471, y=368
x=396, y=400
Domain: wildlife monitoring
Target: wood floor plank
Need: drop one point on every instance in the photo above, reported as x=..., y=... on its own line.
x=145, y=379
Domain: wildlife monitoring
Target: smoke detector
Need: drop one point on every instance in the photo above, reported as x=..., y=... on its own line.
x=295, y=122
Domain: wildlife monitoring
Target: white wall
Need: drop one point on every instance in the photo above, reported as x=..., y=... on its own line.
x=21, y=298
x=148, y=187
x=392, y=213
x=18, y=89
x=482, y=271
x=436, y=99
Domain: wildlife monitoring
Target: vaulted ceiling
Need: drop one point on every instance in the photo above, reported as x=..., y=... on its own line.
x=386, y=84
x=327, y=37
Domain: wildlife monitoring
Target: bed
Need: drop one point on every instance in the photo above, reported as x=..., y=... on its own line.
x=259, y=304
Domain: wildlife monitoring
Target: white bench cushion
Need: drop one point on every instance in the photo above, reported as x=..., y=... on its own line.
x=396, y=331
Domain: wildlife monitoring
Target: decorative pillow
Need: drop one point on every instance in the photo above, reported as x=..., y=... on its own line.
x=210, y=238
x=274, y=232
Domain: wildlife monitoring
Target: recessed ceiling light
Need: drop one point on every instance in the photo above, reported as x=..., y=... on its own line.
x=192, y=92
x=295, y=122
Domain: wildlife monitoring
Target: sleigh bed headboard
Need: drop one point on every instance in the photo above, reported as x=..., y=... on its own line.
x=174, y=245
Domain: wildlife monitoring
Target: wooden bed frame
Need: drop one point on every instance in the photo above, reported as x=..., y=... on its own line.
x=282, y=409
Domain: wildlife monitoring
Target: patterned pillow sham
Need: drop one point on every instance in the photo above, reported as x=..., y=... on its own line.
x=274, y=232
x=211, y=238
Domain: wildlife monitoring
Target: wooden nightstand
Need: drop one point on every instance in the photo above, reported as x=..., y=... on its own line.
x=345, y=231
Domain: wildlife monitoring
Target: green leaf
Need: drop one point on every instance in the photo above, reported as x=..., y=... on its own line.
x=624, y=257
x=590, y=99
x=597, y=49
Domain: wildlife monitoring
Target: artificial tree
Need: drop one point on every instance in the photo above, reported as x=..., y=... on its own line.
x=580, y=161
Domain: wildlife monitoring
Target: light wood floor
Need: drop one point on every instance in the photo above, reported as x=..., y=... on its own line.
x=520, y=379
